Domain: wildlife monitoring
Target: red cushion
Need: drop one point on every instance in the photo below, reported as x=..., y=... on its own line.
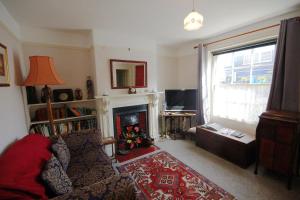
x=21, y=165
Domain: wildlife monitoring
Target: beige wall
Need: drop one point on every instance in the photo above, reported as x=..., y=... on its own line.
x=187, y=71
x=102, y=55
x=12, y=115
x=166, y=72
x=112, y=45
x=161, y=69
x=73, y=64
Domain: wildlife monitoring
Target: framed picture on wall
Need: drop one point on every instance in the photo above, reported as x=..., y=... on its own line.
x=4, y=72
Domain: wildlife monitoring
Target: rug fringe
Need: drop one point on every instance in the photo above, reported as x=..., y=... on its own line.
x=136, y=158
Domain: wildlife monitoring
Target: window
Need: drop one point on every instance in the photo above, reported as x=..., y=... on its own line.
x=252, y=66
x=241, y=81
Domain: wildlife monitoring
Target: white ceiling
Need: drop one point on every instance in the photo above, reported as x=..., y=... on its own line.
x=161, y=20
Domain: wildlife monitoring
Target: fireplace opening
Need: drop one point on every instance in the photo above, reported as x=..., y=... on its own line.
x=131, y=128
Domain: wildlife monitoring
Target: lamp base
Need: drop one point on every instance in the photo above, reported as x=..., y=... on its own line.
x=44, y=92
x=47, y=92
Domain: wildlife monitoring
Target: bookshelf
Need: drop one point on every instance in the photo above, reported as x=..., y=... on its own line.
x=64, y=119
x=60, y=103
x=68, y=116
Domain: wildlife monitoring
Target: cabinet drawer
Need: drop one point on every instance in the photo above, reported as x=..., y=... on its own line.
x=266, y=154
x=267, y=129
x=282, y=158
x=285, y=134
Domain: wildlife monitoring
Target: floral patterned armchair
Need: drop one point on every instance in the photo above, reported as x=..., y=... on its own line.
x=91, y=171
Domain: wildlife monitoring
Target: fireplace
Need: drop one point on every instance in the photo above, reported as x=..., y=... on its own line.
x=131, y=127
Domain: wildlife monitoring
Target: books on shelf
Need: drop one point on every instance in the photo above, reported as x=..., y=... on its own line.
x=68, y=117
x=64, y=127
x=43, y=129
x=75, y=112
x=41, y=114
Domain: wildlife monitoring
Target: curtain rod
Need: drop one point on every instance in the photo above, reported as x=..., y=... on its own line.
x=246, y=33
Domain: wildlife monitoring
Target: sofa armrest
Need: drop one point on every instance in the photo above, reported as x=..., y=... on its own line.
x=119, y=187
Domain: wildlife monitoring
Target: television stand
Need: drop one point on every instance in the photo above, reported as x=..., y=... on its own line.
x=175, y=118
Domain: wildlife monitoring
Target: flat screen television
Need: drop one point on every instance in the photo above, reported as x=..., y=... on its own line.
x=181, y=100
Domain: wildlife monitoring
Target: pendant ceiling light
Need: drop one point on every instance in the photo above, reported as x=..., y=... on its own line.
x=193, y=21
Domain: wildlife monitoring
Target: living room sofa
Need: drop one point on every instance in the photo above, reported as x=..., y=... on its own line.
x=90, y=170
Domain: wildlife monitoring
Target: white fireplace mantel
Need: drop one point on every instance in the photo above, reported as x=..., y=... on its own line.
x=105, y=105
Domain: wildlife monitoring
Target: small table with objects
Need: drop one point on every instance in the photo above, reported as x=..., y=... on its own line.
x=172, y=118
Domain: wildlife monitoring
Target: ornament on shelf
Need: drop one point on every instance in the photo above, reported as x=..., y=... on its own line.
x=90, y=88
x=131, y=90
x=78, y=94
x=31, y=95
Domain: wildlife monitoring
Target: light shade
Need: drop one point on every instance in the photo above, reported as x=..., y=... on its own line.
x=42, y=72
x=193, y=21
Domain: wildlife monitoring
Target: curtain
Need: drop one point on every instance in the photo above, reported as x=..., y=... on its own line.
x=241, y=103
x=201, y=86
x=284, y=94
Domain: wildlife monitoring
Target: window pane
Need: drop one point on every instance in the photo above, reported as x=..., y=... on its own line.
x=264, y=54
x=262, y=74
x=242, y=75
x=251, y=66
x=228, y=76
x=224, y=68
x=242, y=58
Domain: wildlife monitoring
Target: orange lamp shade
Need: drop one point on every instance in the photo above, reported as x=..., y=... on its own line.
x=42, y=72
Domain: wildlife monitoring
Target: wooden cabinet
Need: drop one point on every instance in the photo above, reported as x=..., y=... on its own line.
x=277, y=137
x=240, y=151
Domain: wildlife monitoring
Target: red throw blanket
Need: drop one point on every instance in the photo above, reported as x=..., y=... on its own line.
x=20, y=167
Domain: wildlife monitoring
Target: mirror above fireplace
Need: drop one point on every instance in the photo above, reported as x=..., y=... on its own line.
x=128, y=73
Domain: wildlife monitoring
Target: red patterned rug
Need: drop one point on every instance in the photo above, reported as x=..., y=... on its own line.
x=136, y=153
x=161, y=176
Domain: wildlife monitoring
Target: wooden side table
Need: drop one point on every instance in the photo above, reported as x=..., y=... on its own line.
x=110, y=141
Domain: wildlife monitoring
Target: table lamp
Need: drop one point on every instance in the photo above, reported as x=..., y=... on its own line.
x=42, y=72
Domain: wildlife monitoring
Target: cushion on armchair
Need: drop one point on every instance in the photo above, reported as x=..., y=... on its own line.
x=56, y=178
x=62, y=152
